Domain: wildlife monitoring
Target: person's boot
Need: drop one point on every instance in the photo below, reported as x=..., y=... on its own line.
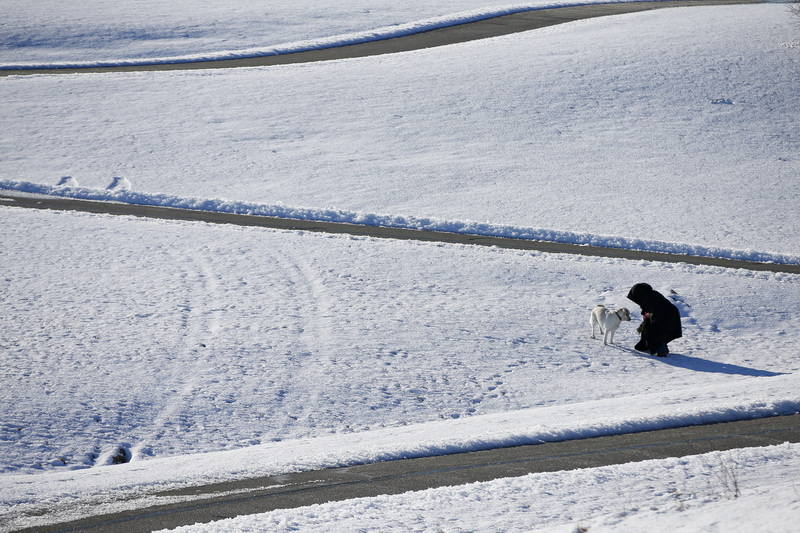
x=662, y=350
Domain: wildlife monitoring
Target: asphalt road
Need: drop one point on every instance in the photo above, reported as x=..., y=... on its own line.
x=492, y=27
x=169, y=213
x=224, y=500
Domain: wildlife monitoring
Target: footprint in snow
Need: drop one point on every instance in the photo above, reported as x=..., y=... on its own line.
x=119, y=184
x=67, y=181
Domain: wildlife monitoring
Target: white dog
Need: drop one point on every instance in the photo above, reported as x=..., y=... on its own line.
x=608, y=321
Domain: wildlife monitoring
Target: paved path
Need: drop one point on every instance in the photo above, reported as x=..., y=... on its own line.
x=218, y=501
x=492, y=27
x=169, y=213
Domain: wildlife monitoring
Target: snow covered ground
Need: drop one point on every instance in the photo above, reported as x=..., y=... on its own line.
x=98, y=32
x=207, y=353
x=684, y=140
x=696, y=493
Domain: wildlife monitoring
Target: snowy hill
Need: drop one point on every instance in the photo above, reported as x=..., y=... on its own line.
x=202, y=353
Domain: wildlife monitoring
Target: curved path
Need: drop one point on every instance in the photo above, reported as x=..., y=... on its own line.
x=236, y=498
x=490, y=27
x=213, y=217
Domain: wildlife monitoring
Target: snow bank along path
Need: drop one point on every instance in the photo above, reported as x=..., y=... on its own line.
x=479, y=24
x=511, y=154
x=392, y=355
x=204, y=504
x=386, y=230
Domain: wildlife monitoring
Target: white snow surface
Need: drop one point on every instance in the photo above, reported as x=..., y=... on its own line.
x=107, y=32
x=210, y=353
x=696, y=493
x=683, y=140
x=294, y=351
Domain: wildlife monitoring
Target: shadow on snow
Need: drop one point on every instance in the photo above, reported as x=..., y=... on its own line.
x=702, y=365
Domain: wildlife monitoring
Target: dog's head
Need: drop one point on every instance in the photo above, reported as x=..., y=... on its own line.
x=624, y=314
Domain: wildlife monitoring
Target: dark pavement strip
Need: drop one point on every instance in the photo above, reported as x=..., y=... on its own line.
x=250, y=496
x=170, y=213
x=490, y=27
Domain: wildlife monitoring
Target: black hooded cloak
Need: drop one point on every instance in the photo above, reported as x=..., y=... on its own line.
x=662, y=322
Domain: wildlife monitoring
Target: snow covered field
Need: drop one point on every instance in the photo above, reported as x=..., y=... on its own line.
x=210, y=353
x=682, y=141
x=95, y=32
x=688, y=494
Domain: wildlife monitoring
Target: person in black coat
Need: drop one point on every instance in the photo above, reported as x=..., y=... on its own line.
x=662, y=320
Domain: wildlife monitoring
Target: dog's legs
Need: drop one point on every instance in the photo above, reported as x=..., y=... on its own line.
x=611, y=337
x=594, y=322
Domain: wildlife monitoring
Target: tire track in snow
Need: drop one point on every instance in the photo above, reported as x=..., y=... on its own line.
x=318, y=336
x=190, y=367
x=308, y=345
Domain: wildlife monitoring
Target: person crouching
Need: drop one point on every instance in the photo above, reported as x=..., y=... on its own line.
x=662, y=320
